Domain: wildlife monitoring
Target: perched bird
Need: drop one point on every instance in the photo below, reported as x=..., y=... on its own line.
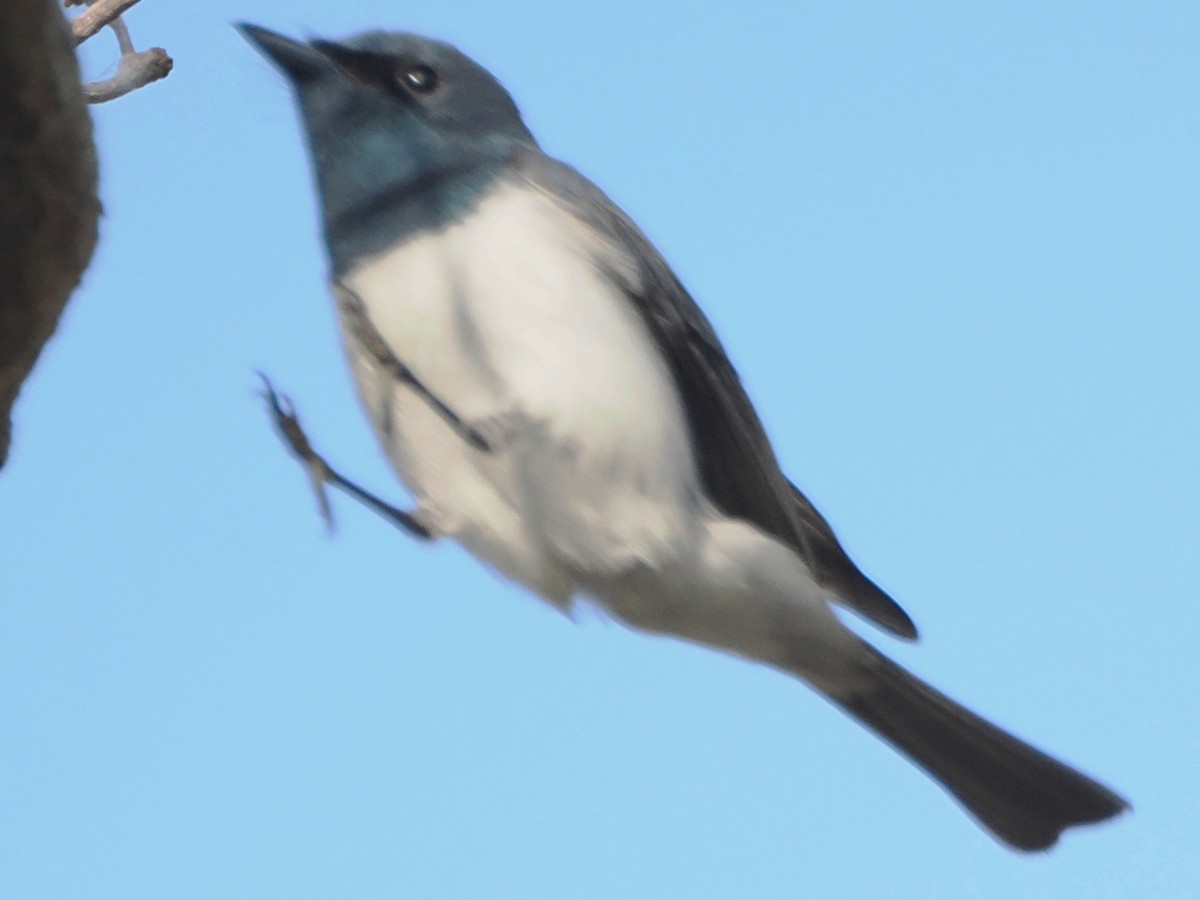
x=555, y=401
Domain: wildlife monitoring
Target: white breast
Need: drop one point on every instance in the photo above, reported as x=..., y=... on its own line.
x=506, y=313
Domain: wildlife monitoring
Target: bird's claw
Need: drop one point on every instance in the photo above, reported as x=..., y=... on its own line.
x=287, y=424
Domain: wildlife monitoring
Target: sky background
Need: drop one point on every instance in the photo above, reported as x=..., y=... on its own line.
x=953, y=251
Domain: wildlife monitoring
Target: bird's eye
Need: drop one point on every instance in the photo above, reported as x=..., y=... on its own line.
x=419, y=79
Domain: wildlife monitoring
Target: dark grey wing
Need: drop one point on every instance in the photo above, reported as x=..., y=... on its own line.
x=737, y=465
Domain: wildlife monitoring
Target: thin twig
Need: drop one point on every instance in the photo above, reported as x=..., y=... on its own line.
x=124, y=41
x=134, y=70
x=98, y=14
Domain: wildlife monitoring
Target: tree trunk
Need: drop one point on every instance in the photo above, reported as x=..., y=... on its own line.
x=49, y=206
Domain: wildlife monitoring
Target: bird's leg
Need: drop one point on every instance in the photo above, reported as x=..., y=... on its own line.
x=361, y=327
x=320, y=473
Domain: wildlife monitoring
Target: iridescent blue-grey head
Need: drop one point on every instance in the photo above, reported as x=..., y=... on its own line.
x=405, y=132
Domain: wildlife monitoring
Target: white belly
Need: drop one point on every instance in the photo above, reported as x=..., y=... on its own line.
x=506, y=312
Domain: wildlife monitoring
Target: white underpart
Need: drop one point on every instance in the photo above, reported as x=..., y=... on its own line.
x=506, y=316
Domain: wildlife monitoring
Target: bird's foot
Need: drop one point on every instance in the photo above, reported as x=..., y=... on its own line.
x=320, y=473
x=354, y=313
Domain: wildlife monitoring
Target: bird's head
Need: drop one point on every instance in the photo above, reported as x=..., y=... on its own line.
x=390, y=114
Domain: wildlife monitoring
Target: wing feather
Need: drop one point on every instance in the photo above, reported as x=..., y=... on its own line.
x=737, y=465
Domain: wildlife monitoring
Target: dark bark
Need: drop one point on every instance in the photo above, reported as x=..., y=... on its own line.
x=49, y=205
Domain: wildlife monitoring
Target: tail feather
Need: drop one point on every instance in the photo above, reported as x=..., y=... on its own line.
x=1023, y=796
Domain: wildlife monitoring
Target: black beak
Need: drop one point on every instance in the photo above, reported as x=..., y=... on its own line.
x=296, y=60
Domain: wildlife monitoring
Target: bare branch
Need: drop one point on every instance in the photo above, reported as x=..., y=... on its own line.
x=124, y=41
x=98, y=14
x=134, y=70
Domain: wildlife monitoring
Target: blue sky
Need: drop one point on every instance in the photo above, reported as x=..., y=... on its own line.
x=952, y=249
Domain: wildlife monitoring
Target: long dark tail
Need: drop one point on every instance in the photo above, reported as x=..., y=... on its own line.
x=1020, y=794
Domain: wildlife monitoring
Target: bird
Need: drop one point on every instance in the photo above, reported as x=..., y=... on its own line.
x=555, y=401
